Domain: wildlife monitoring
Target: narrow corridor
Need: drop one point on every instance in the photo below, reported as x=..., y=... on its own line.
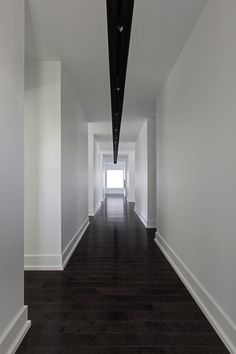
x=118, y=294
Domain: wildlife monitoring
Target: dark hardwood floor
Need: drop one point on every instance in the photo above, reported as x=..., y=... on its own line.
x=118, y=294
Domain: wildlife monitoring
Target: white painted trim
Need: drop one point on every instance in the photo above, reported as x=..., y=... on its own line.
x=149, y=224
x=15, y=332
x=94, y=212
x=130, y=200
x=141, y=216
x=43, y=262
x=69, y=249
x=54, y=261
x=221, y=322
x=97, y=208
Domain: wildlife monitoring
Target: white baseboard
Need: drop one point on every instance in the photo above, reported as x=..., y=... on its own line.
x=149, y=224
x=222, y=324
x=15, y=332
x=94, y=212
x=51, y=261
x=97, y=208
x=43, y=262
x=141, y=216
x=68, y=251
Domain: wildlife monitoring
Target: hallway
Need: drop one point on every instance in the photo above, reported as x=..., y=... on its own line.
x=118, y=294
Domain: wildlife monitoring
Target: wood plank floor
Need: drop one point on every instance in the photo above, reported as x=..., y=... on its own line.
x=118, y=294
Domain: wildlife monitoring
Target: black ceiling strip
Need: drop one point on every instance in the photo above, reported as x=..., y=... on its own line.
x=119, y=22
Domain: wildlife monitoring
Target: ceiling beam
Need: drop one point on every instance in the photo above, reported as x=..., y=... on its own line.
x=119, y=22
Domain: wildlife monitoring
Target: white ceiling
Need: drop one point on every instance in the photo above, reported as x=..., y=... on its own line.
x=75, y=32
x=124, y=147
x=103, y=130
x=102, y=134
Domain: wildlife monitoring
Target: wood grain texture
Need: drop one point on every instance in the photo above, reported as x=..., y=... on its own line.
x=118, y=294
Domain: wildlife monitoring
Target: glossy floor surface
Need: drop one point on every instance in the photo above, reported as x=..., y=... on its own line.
x=118, y=294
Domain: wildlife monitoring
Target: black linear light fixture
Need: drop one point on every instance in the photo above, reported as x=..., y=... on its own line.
x=119, y=22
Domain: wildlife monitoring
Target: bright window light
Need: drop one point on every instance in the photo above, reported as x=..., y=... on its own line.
x=115, y=179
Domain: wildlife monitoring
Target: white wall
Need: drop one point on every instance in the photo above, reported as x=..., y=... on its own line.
x=97, y=177
x=74, y=129
x=56, y=170
x=131, y=177
x=12, y=310
x=95, y=173
x=91, y=148
x=42, y=162
x=151, y=131
x=196, y=134
x=141, y=177
x=145, y=174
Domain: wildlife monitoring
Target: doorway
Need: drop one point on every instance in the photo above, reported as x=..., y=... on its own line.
x=115, y=177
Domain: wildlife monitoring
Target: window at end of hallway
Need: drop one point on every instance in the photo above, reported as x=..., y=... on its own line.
x=115, y=179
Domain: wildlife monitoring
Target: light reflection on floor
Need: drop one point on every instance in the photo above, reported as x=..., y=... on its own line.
x=115, y=206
